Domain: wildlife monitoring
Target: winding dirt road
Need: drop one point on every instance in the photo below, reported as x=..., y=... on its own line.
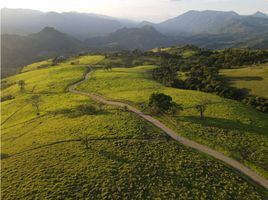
x=229, y=161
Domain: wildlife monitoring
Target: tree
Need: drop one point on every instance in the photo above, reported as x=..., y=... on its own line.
x=35, y=100
x=162, y=103
x=100, y=107
x=22, y=84
x=201, y=108
x=107, y=67
x=86, y=141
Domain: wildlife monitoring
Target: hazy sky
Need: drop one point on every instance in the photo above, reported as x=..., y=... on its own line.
x=151, y=10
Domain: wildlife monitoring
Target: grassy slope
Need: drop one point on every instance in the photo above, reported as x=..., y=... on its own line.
x=254, y=79
x=230, y=126
x=36, y=65
x=109, y=169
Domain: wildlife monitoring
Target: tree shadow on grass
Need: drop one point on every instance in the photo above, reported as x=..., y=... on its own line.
x=73, y=113
x=224, y=124
x=245, y=78
x=112, y=156
x=4, y=156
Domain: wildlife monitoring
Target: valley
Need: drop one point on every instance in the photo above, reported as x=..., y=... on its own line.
x=146, y=100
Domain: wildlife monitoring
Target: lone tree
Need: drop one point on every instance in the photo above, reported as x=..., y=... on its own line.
x=22, y=84
x=35, y=100
x=107, y=67
x=201, y=108
x=162, y=103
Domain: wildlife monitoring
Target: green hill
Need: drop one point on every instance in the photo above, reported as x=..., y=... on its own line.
x=230, y=127
x=64, y=152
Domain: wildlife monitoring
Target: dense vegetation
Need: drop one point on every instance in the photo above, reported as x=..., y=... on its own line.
x=201, y=69
x=74, y=148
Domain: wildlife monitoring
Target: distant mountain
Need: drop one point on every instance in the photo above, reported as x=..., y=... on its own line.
x=142, y=38
x=84, y=25
x=198, y=22
x=79, y=25
x=260, y=14
x=213, y=22
x=18, y=51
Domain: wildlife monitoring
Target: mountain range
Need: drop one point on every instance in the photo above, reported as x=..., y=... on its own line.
x=79, y=25
x=69, y=32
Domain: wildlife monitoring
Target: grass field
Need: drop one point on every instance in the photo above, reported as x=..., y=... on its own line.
x=126, y=158
x=254, y=79
x=230, y=126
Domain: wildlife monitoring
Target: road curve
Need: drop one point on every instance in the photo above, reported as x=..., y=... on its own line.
x=235, y=164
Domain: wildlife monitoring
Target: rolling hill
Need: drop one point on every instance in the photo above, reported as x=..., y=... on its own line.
x=226, y=122
x=63, y=150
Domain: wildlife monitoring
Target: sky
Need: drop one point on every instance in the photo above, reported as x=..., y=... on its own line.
x=139, y=10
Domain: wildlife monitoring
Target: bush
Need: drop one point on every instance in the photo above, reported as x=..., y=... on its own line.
x=260, y=103
x=161, y=103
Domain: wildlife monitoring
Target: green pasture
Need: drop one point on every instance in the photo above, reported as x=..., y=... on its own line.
x=253, y=79
x=44, y=157
x=229, y=126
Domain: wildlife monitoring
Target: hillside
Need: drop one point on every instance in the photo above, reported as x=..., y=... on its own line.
x=230, y=126
x=38, y=46
x=62, y=149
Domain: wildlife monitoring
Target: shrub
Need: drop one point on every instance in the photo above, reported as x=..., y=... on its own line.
x=22, y=84
x=35, y=100
x=162, y=103
x=260, y=103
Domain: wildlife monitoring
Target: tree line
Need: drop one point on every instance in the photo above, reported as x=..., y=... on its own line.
x=201, y=72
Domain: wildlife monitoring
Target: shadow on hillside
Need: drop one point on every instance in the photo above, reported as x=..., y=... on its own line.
x=73, y=113
x=112, y=156
x=4, y=156
x=245, y=78
x=224, y=124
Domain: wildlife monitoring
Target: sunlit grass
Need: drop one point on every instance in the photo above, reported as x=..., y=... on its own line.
x=230, y=126
x=127, y=157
